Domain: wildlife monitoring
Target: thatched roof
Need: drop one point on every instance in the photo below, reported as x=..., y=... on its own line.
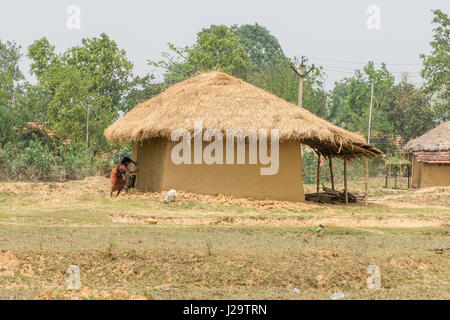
x=437, y=139
x=223, y=102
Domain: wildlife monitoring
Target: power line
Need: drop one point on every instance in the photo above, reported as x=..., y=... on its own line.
x=364, y=63
x=352, y=71
x=341, y=71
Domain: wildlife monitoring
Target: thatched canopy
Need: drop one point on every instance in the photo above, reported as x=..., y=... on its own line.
x=437, y=139
x=223, y=102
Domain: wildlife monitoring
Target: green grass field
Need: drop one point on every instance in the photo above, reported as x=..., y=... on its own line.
x=135, y=247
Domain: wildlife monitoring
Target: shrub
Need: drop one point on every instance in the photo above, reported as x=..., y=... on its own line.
x=119, y=155
x=103, y=167
x=38, y=159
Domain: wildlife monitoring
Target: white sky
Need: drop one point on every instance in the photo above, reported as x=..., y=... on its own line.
x=328, y=29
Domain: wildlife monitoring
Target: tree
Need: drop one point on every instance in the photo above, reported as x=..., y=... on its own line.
x=436, y=69
x=409, y=111
x=10, y=74
x=95, y=75
x=67, y=109
x=217, y=48
x=10, y=89
x=263, y=49
x=350, y=99
x=32, y=103
x=141, y=89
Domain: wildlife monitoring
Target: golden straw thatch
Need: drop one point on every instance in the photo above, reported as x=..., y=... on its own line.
x=223, y=102
x=437, y=139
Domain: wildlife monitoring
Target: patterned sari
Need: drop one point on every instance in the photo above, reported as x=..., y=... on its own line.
x=117, y=181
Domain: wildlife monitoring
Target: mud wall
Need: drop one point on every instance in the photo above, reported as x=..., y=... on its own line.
x=158, y=172
x=430, y=174
x=435, y=175
x=151, y=157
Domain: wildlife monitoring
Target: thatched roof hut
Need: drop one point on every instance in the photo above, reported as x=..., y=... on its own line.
x=225, y=102
x=431, y=157
x=222, y=102
x=435, y=140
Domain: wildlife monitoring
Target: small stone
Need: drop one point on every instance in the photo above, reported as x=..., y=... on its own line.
x=337, y=295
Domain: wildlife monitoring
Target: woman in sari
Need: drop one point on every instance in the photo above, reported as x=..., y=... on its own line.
x=117, y=181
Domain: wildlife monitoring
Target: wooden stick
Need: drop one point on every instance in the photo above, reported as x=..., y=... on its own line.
x=367, y=182
x=318, y=173
x=345, y=181
x=331, y=173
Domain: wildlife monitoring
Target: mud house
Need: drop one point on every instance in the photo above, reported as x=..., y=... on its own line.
x=216, y=134
x=430, y=155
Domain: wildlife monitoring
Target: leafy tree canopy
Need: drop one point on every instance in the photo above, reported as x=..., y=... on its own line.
x=217, y=48
x=436, y=69
x=95, y=75
x=262, y=47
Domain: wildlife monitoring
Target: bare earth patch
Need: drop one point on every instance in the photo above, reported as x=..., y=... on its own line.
x=434, y=196
x=8, y=263
x=86, y=294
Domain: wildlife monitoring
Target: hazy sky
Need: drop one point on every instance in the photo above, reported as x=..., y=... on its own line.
x=320, y=29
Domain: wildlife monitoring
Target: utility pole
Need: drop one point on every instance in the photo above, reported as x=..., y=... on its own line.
x=87, y=126
x=368, y=142
x=370, y=114
x=301, y=73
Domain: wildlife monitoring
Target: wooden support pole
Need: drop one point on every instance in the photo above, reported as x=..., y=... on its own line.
x=345, y=181
x=409, y=170
x=367, y=182
x=318, y=173
x=331, y=173
x=388, y=176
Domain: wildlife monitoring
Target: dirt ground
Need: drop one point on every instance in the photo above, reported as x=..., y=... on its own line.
x=137, y=247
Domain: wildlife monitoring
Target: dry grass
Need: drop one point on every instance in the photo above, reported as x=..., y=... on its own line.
x=203, y=247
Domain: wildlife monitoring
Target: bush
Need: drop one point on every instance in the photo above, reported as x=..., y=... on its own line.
x=76, y=160
x=309, y=164
x=103, y=167
x=119, y=155
x=38, y=159
x=40, y=162
x=356, y=169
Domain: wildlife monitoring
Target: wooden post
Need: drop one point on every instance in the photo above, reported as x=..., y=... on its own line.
x=300, y=84
x=388, y=176
x=87, y=126
x=318, y=173
x=331, y=173
x=345, y=181
x=395, y=180
x=409, y=170
x=301, y=74
x=367, y=182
